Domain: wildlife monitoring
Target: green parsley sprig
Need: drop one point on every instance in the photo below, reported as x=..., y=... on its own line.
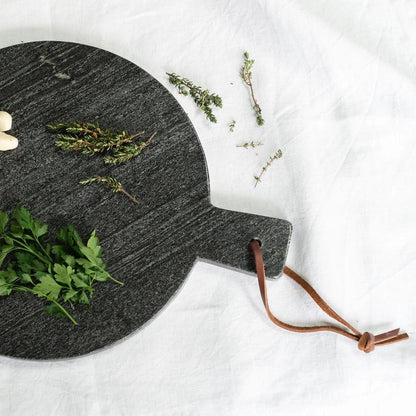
x=60, y=273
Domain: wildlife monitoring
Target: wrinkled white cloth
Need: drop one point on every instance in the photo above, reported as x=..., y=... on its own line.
x=336, y=82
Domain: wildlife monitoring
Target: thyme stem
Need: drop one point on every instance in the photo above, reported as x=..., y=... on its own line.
x=113, y=183
x=129, y=195
x=272, y=158
x=246, y=75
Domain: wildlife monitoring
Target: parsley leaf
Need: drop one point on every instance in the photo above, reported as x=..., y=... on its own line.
x=48, y=287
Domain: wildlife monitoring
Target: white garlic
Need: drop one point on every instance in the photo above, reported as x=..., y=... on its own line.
x=5, y=121
x=7, y=142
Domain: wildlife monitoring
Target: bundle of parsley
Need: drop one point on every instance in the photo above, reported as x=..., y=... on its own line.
x=59, y=273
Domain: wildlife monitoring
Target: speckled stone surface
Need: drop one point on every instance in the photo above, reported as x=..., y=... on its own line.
x=151, y=246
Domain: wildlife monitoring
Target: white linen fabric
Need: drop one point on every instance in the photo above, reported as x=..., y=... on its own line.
x=336, y=82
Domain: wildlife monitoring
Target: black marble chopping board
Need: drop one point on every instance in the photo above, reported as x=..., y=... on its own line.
x=151, y=246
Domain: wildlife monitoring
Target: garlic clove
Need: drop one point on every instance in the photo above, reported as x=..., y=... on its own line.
x=7, y=142
x=5, y=121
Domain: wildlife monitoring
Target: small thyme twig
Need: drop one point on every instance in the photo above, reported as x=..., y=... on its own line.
x=114, y=184
x=203, y=98
x=90, y=139
x=272, y=158
x=250, y=144
x=246, y=75
x=128, y=152
x=231, y=126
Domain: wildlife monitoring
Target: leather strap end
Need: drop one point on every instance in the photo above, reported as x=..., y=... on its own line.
x=400, y=337
x=366, y=341
x=386, y=335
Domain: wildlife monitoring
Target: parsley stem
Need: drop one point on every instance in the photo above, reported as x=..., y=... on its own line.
x=109, y=275
x=43, y=249
x=115, y=280
x=28, y=249
x=67, y=314
x=64, y=311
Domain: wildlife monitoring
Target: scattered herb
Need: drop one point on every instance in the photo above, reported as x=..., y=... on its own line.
x=246, y=75
x=231, y=126
x=250, y=144
x=203, y=98
x=113, y=183
x=90, y=139
x=58, y=273
x=272, y=158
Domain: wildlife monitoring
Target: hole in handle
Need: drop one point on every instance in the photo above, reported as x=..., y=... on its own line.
x=256, y=239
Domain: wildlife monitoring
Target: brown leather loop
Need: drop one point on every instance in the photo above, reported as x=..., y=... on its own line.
x=366, y=341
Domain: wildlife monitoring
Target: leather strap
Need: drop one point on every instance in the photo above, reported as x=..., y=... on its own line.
x=366, y=340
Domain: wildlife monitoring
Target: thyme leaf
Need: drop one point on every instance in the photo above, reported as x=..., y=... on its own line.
x=231, y=126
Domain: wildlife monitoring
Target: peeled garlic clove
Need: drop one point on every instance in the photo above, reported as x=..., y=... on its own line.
x=7, y=142
x=5, y=121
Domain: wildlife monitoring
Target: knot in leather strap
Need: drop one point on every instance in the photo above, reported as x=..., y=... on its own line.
x=366, y=341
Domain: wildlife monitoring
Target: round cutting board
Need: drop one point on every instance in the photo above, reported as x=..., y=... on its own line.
x=150, y=246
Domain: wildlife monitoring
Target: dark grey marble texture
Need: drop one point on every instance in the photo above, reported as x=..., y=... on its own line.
x=151, y=246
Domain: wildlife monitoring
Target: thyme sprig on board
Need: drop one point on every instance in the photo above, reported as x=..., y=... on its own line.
x=272, y=158
x=113, y=183
x=90, y=139
x=246, y=76
x=204, y=99
x=125, y=153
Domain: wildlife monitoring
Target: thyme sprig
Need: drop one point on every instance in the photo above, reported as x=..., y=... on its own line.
x=204, y=99
x=246, y=75
x=231, y=126
x=272, y=158
x=127, y=152
x=113, y=183
x=250, y=144
x=90, y=139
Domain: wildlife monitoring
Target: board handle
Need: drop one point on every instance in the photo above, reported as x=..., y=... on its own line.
x=225, y=239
